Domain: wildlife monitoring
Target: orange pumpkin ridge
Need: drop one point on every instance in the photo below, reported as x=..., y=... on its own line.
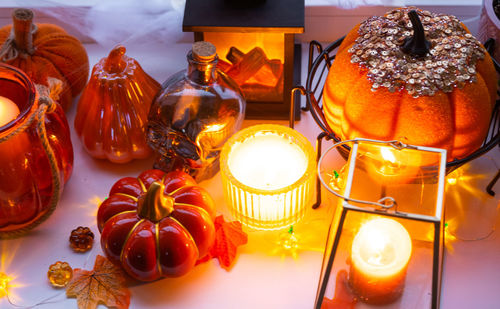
x=43, y=51
x=113, y=108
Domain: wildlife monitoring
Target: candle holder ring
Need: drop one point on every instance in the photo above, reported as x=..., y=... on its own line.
x=386, y=203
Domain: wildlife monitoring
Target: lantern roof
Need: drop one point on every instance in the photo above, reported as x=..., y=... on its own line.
x=285, y=16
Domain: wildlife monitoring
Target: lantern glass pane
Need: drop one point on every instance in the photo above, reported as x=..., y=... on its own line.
x=410, y=176
x=369, y=266
x=254, y=60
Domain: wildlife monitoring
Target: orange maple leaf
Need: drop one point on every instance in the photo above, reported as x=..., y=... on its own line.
x=228, y=237
x=104, y=284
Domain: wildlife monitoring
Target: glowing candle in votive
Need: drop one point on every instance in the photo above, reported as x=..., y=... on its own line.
x=390, y=166
x=267, y=162
x=268, y=174
x=380, y=254
x=8, y=111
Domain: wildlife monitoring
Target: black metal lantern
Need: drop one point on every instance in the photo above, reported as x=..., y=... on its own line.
x=386, y=240
x=255, y=44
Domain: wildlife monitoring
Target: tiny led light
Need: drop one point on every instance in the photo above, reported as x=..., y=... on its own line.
x=4, y=284
x=268, y=175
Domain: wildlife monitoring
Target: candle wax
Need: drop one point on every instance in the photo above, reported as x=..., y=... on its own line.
x=8, y=111
x=267, y=161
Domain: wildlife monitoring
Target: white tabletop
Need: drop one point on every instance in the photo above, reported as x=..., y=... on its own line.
x=263, y=276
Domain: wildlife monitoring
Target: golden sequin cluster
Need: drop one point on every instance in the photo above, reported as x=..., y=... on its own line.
x=451, y=61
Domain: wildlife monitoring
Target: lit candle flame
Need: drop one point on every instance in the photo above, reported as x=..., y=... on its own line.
x=388, y=155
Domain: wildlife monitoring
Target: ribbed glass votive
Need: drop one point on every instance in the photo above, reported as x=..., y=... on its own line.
x=268, y=176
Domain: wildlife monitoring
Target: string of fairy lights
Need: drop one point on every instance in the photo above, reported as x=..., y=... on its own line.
x=7, y=282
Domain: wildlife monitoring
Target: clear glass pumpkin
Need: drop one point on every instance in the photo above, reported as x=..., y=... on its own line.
x=112, y=111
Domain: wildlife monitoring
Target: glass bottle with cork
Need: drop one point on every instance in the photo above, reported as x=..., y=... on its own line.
x=194, y=114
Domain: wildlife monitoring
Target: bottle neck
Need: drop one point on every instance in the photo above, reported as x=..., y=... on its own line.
x=201, y=72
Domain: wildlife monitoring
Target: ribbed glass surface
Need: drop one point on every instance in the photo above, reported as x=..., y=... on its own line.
x=268, y=174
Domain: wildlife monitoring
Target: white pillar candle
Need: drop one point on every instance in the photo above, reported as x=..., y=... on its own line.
x=380, y=254
x=267, y=161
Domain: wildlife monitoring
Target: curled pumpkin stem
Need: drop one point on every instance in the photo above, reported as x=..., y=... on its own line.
x=155, y=205
x=23, y=30
x=114, y=62
x=416, y=45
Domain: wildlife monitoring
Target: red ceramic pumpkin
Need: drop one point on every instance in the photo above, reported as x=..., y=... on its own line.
x=156, y=225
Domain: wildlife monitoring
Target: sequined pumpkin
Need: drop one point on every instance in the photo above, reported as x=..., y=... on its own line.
x=444, y=99
x=156, y=225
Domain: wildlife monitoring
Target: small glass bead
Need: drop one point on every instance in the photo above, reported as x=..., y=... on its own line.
x=59, y=274
x=81, y=239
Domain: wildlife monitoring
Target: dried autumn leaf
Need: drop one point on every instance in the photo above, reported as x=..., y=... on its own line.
x=104, y=284
x=228, y=236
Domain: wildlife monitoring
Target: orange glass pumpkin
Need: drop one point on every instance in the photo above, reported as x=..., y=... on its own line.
x=156, y=225
x=417, y=77
x=113, y=109
x=36, y=156
x=43, y=51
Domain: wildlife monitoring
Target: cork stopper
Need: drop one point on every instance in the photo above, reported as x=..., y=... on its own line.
x=203, y=51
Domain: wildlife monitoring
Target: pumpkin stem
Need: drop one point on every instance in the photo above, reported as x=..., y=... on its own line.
x=155, y=205
x=416, y=45
x=23, y=34
x=115, y=63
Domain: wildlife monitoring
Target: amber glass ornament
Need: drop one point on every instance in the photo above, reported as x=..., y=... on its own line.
x=59, y=274
x=81, y=239
x=112, y=111
x=36, y=156
x=195, y=113
x=43, y=51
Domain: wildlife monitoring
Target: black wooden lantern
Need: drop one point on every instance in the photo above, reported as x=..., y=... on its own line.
x=255, y=44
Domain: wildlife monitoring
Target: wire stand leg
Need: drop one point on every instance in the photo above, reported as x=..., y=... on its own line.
x=489, y=188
